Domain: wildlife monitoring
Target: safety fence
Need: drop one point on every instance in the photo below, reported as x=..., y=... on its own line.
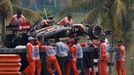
x=22, y=53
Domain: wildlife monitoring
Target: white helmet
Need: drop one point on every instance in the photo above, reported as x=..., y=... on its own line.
x=30, y=38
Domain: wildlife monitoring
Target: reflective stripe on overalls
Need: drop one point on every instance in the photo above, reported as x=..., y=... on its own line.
x=118, y=55
x=62, y=49
x=51, y=59
x=35, y=52
x=50, y=51
x=18, y=21
x=30, y=69
x=79, y=51
x=100, y=52
x=72, y=61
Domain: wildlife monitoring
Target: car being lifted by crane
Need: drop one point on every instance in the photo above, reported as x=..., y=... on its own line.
x=16, y=36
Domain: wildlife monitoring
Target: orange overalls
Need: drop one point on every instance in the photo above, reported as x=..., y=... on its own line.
x=51, y=59
x=65, y=21
x=39, y=44
x=17, y=21
x=103, y=59
x=72, y=62
x=120, y=61
x=38, y=62
x=32, y=57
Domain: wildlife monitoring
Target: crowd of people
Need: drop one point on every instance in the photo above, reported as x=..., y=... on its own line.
x=69, y=55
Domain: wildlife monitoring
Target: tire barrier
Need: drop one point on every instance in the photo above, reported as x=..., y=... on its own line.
x=10, y=64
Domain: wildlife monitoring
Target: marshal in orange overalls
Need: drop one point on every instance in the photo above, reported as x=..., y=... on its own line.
x=72, y=58
x=18, y=19
x=103, y=59
x=38, y=62
x=32, y=56
x=120, y=59
x=51, y=59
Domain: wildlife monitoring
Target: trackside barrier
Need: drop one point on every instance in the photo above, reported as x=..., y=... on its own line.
x=24, y=63
x=10, y=64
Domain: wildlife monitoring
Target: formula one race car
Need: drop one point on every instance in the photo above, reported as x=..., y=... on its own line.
x=16, y=36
